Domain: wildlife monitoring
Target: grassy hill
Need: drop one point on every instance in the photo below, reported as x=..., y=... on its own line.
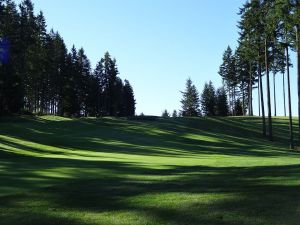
x=167, y=171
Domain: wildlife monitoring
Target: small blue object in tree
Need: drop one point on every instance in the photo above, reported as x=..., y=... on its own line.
x=4, y=51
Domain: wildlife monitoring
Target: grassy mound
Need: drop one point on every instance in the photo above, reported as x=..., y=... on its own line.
x=165, y=171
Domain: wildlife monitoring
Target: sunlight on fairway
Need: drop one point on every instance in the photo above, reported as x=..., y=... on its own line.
x=116, y=171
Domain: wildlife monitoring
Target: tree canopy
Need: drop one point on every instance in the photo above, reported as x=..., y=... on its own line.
x=39, y=75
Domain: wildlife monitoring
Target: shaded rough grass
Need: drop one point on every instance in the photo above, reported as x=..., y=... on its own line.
x=165, y=171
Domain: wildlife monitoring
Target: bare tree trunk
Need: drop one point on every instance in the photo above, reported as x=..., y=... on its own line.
x=249, y=103
x=243, y=91
x=274, y=93
x=283, y=88
x=268, y=92
x=298, y=76
x=250, y=92
x=258, y=94
x=230, y=100
x=234, y=100
x=52, y=106
x=289, y=97
x=232, y=103
x=262, y=99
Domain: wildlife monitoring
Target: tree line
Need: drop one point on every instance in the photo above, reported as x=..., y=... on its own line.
x=268, y=30
x=211, y=102
x=39, y=75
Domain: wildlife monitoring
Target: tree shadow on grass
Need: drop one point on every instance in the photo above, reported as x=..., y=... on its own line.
x=226, y=136
x=58, y=190
x=182, y=195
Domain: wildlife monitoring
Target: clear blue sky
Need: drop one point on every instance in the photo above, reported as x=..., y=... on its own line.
x=158, y=44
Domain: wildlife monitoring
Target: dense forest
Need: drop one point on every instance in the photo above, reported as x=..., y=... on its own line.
x=38, y=75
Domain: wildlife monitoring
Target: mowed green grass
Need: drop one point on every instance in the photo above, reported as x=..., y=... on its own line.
x=170, y=171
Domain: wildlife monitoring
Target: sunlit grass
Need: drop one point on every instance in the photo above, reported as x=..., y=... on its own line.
x=56, y=170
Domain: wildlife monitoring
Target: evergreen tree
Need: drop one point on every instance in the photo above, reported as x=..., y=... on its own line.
x=28, y=30
x=246, y=70
x=60, y=69
x=286, y=27
x=111, y=72
x=190, y=101
x=228, y=72
x=289, y=14
x=11, y=86
x=129, y=100
x=91, y=96
x=174, y=114
x=99, y=75
x=222, y=102
x=292, y=23
x=38, y=58
x=106, y=73
x=268, y=38
x=252, y=39
x=165, y=114
x=238, y=108
x=84, y=73
x=71, y=105
x=119, y=100
x=208, y=100
x=39, y=75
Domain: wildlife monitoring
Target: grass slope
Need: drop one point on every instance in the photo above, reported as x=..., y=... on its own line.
x=115, y=171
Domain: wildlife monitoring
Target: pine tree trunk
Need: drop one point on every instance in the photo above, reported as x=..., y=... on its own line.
x=35, y=100
x=283, y=88
x=274, y=93
x=264, y=129
x=231, y=105
x=250, y=92
x=249, y=104
x=268, y=92
x=289, y=97
x=243, y=91
x=298, y=75
x=230, y=101
x=258, y=94
x=234, y=100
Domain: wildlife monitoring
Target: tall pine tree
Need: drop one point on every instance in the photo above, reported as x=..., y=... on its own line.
x=190, y=101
